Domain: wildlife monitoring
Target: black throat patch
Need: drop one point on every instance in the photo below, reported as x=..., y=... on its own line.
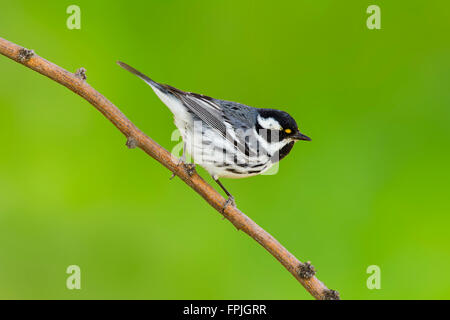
x=283, y=152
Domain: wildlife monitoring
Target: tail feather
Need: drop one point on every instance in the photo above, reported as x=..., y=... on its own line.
x=140, y=75
x=170, y=96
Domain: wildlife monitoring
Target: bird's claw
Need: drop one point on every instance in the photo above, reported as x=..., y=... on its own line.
x=230, y=202
x=190, y=168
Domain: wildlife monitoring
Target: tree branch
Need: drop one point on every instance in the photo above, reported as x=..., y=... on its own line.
x=304, y=273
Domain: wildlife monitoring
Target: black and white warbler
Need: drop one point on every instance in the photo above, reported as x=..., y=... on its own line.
x=227, y=138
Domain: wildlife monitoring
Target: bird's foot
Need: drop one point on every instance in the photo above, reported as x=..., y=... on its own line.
x=190, y=167
x=230, y=202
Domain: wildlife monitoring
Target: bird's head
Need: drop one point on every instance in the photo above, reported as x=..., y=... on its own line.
x=279, y=126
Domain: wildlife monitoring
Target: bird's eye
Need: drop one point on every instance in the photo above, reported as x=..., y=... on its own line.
x=288, y=131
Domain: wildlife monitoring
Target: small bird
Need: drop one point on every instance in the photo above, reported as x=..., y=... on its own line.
x=228, y=139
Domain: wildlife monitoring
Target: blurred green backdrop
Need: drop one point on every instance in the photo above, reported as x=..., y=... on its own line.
x=372, y=188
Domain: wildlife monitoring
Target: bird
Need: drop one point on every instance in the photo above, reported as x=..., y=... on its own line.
x=226, y=138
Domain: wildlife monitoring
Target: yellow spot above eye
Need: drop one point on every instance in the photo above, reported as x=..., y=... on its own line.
x=288, y=130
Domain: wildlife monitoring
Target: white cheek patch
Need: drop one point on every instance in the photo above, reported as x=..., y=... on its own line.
x=269, y=123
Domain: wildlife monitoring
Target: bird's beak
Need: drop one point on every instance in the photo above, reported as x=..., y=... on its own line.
x=300, y=136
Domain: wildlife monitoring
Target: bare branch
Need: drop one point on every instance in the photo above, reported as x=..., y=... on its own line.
x=306, y=270
x=304, y=273
x=81, y=73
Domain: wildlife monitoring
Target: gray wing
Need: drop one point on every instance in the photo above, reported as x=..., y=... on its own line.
x=215, y=113
x=206, y=110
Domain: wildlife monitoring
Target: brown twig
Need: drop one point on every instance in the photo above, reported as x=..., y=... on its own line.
x=136, y=138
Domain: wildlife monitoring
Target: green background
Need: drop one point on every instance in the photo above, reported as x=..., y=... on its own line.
x=372, y=188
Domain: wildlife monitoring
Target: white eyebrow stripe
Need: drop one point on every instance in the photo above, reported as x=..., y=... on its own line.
x=269, y=123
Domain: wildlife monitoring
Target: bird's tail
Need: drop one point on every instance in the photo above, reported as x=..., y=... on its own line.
x=141, y=75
